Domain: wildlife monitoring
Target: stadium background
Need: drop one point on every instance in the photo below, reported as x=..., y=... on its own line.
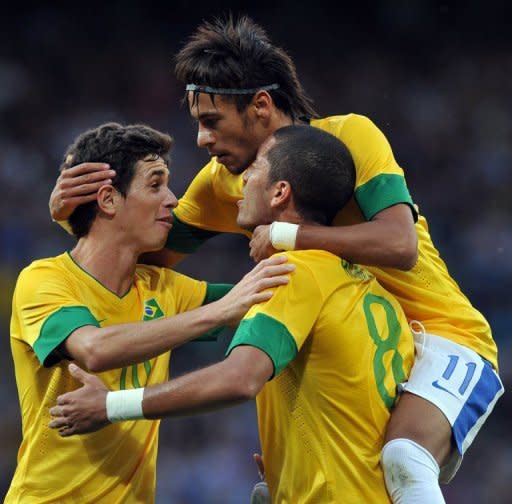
x=435, y=76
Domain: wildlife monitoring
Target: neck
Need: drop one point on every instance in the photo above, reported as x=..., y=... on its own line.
x=289, y=214
x=108, y=261
x=280, y=120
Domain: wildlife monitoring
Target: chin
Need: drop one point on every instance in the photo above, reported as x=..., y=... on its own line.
x=244, y=225
x=240, y=167
x=154, y=247
x=235, y=170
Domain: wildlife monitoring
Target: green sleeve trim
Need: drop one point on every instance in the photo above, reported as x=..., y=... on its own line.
x=215, y=291
x=381, y=192
x=186, y=239
x=57, y=327
x=269, y=335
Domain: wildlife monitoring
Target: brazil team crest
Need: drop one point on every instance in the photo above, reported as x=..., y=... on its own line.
x=152, y=310
x=355, y=271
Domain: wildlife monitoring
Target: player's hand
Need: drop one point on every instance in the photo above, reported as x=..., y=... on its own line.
x=83, y=410
x=76, y=186
x=259, y=464
x=254, y=288
x=260, y=244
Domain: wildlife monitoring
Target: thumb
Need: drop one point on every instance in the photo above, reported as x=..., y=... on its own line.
x=78, y=373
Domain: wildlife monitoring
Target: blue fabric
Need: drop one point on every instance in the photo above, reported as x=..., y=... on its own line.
x=482, y=395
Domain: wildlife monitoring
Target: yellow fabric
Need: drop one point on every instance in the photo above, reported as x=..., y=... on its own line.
x=116, y=464
x=322, y=419
x=427, y=293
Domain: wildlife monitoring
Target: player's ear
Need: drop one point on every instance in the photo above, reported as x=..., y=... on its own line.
x=106, y=199
x=281, y=193
x=262, y=104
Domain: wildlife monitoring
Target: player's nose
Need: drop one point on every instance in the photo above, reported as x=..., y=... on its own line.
x=205, y=137
x=170, y=201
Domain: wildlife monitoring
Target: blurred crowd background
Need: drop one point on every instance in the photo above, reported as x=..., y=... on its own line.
x=436, y=77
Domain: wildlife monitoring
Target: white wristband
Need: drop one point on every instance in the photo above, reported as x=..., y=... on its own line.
x=283, y=235
x=125, y=405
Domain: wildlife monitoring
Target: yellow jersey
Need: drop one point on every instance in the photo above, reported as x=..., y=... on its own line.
x=427, y=293
x=340, y=344
x=52, y=298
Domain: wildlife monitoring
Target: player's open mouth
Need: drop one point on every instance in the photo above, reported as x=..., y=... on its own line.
x=221, y=156
x=167, y=220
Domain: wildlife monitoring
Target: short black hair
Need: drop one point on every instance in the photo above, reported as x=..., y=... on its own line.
x=237, y=53
x=121, y=146
x=319, y=168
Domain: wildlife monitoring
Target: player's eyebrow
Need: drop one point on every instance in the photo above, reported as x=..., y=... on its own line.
x=207, y=114
x=158, y=172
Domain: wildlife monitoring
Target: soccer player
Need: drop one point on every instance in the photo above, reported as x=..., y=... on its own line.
x=333, y=343
x=86, y=305
x=241, y=88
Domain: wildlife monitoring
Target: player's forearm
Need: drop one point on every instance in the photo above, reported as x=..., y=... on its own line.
x=212, y=388
x=373, y=243
x=120, y=345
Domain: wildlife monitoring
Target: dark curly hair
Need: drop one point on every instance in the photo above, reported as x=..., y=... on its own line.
x=119, y=146
x=237, y=53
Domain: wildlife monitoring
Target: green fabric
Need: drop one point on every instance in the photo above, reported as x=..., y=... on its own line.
x=186, y=239
x=381, y=192
x=215, y=291
x=57, y=327
x=269, y=335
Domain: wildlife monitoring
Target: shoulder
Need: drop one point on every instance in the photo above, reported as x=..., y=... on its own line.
x=317, y=269
x=325, y=270
x=45, y=281
x=346, y=124
x=212, y=170
x=47, y=268
x=217, y=179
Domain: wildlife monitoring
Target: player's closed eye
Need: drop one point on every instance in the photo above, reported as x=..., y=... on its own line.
x=209, y=123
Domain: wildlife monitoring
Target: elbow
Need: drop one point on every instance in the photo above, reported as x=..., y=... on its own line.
x=245, y=386
x=93, y=358
x=407, y=253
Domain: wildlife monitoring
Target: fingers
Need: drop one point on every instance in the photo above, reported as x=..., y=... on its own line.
x=66, y=431
x=267, y=283
x=63, y=399
x=85, y=184
x=280, y=269
x=78, y=200
x=84, y=179
x=78, y=373
x=84, y=169
x=57, y=422
x=74, y=188
x=266, y=268
x=261, y=297
x=60, y=421
x=275, y=259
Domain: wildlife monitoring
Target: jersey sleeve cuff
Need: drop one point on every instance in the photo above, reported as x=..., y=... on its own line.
x=270, y=336
x=215, y=291
x=57, y=327
x=381, y=192
x=185, y=238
